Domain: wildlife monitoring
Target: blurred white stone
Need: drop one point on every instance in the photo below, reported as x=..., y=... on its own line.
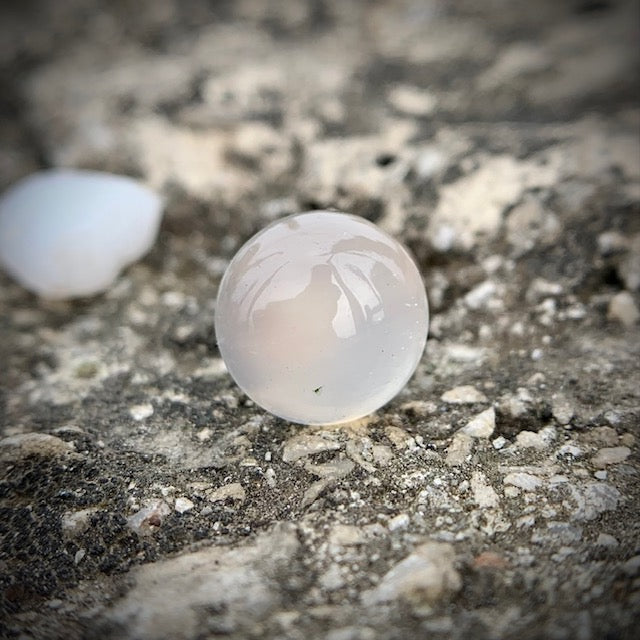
x=465, y=394
x=66, y=233
x=623, y=308
x=141, y=411
x=412, y=100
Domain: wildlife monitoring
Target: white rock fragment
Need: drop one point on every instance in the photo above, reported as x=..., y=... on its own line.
x=623, y=309
x=465, y=353
x=346, y=535
x=481, y=295
x=66, y=234
x=482, y=426
x=234, y=490
x=613, y=417
x=424, y=577
x=149, y=517
x=304, y=445
x=611, y=241
x=459, y=449
x=401, y=521
x=499, y=442
x=610, y=455
x=483, y=492
x=141, y=411
x=524, y=481
x=412, y=100
x=569, y=450
x=541, y=288
x=529, y=440
x=382, y=455
x=530, y=224
x=329, y=473
x=561, y=409
x=606, y=540
x=465, y=394
x=419, y=407
x=398, y=437
x=472, y=206
x=183, y=505
x=532, y=440
x=593, y=499
x=428, y=162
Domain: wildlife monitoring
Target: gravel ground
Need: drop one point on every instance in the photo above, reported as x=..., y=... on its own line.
x=143, y=496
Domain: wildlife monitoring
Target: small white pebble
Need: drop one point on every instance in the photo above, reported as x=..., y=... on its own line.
x=401, y=521
x=270, y=477
x=569, y=450
x=524, y=481
x=412, y=101
x=480, y=295
x=613, y=418
x=465, y=394
x=499, y=442
x=623, y=309
x=183, y=504
x=67, y=234
x=562, y=409
x=530, y=440
x=204, y=434
x=482, y=426
x=606, y=540
x=141, y=411
x=600, y=475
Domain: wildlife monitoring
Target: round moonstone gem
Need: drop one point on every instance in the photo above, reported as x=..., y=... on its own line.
x=321, y=317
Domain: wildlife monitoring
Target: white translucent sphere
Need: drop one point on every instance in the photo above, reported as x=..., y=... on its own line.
x=321, y=317
x=66, y=233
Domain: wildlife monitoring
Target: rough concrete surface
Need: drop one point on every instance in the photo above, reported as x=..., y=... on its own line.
x=143, y=496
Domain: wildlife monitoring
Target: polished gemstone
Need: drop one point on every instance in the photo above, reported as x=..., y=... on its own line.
x=321, y=317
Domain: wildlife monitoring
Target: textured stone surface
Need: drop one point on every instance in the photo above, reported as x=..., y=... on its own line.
x=499, y=141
